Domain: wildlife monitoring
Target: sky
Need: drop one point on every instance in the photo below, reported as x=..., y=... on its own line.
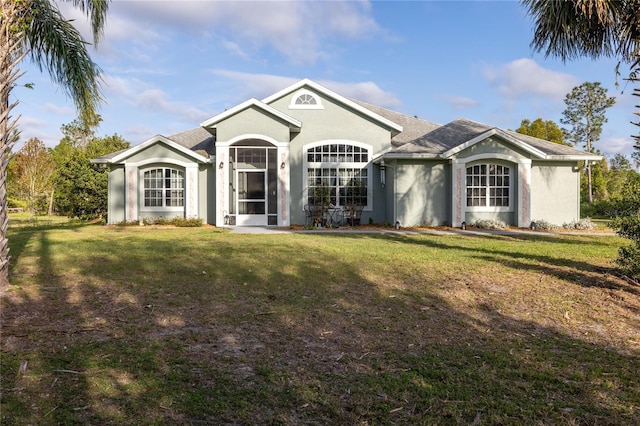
x=170, y=65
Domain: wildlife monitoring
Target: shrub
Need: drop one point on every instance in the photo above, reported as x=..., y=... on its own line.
x=627, y=225
x=543, y=225
x=181, y=222
x=187, y=222
x=490, y=224
x=580, y=225
x=127, y=223
x=600, y=209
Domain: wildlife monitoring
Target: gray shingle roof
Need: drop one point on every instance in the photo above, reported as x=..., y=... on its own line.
x=412, y=127
x=463, y=130
x=198, y=140
x=419, y=137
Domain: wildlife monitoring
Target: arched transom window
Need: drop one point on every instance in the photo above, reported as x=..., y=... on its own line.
x=305, y=99
x=338, y=175
x=488, y=185
x=163, y=187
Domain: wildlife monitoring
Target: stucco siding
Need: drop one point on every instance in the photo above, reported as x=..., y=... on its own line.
x=491, y=147
x=254, y=121
x=332, y=123
x=555, y=194
x=158, y=152
x=422, y=191
x=115, y=197
x=206, y=194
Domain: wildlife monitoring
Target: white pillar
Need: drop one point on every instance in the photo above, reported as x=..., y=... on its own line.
x=524, y=194
x=458, y=203
x=284, y=196
x=191, y=196
x=221, y=169
x=131, y=193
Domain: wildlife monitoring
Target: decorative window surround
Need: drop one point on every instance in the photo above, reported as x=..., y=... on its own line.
x=305, y=99
x=134, y=178
x=522, y=186
x=342, y=168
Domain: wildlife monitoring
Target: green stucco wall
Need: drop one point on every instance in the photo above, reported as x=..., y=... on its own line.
x=333, y=122
x=422, y=193
x=116, y=194
x=253, y=120
x=491, y=147
x=160, y=152
x=555, y=193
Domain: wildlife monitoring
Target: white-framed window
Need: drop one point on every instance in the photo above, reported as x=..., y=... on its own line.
x=304, y=99
x=489, y=186
x=338, y=174
x=163, y=187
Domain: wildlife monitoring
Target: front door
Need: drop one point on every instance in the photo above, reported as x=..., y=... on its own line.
x=252, y=198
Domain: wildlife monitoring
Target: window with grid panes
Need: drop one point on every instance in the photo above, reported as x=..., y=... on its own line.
x=337, y=174
x=488, y=185
x=163, y=187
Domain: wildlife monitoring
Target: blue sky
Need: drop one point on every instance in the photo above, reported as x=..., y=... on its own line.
x=169, y=65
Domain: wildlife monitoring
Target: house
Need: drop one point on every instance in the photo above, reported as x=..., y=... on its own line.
x=262, y=161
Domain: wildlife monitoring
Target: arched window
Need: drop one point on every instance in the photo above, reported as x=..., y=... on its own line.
x=338, y=175
x=163, y=187
x=488, y=185
x=305, y=99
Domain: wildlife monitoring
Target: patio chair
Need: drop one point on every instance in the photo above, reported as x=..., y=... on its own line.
x=353, y=213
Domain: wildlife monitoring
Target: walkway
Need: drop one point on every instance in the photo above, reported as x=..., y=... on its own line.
x=391, y=231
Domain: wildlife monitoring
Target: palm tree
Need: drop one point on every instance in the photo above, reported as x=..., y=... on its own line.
x=595, y=29
x=37, y=29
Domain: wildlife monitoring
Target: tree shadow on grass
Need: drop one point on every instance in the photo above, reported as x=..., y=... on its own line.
x=558, y=264
x=220, y=329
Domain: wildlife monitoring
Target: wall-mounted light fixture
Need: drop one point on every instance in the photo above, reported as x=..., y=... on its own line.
x=221, y=165
x=383, y=175
x=282, y=166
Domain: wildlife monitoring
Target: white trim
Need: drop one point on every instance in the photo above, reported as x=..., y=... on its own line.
x=330, y=94
x=494, y=132
x=296, y=95
x=284, y=190
x=190, y=191
x=247, y=136
x=158, y=139
x=522, y=209
x=161, y=160
x=213, y=121
x=338, y=164
x=131, y=177
x=222, y=183
x=489, y=156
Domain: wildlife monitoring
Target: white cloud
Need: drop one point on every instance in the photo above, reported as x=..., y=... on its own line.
x=59, y=110
x=459, y=103
x=615, y=145
x=524, y=77
x=258, y=86
x=366, y=91
x=300, y=31
x=142, y=95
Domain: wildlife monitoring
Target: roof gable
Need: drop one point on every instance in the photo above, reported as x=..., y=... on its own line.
x=309, y=84
x=120, y=156
x=294, y=124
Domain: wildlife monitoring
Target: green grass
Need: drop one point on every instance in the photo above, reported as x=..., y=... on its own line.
x=21, y=220
x=140, y=325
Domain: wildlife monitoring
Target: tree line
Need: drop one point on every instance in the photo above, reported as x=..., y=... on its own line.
x=63, y=179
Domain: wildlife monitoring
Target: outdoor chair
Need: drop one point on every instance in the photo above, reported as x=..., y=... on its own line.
x=353, y=213
x=314, y=214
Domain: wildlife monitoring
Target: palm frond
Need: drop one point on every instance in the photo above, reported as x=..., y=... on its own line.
x=56, y=45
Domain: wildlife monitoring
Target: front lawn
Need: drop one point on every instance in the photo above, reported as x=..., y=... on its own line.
x=144, y=325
